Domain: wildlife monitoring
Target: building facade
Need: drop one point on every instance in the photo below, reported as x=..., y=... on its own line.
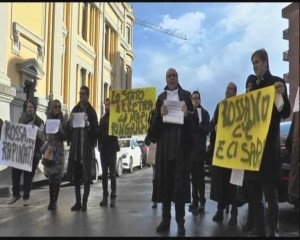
x=50, y=49
x=291, y=12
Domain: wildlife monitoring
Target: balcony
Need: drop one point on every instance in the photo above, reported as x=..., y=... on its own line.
x=285, y=34
x=286, y=56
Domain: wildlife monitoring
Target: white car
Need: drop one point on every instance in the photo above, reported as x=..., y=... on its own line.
x=130, y=154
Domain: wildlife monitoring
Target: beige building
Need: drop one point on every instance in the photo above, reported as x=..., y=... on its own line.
x=291, y=34
x=50, y=49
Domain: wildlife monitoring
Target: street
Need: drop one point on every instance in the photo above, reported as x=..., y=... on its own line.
x=132, y=216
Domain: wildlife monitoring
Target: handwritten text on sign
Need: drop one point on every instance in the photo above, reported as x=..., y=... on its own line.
x=129, y=111
x=17, y=145
x=242, y=129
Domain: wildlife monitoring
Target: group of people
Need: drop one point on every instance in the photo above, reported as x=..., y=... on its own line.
x=82, y=141
x=179, y=155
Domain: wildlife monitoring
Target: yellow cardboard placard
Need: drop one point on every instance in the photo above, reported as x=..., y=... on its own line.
x=243, y=125
x=129, y=111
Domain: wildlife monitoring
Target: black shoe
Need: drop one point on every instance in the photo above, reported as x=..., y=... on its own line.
x=180, y=229
x=201, y=208
x=103, y=203
x=52, y=206
x=112, y=202
x=83, y=207
x=164, y=226
x=76, y=207
x=154, y=205
x=247, y=227
x=218, y=217
x=193, y=206
x=232, y=221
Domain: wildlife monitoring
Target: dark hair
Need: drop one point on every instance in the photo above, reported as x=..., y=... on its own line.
x=251, y=79
x=262, y=54
x=29, y=100
x=107, y=99
x=86, y=89
x=196, y=92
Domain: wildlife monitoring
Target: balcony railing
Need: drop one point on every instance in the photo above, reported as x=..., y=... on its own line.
x=285, y=34
x=286, y=77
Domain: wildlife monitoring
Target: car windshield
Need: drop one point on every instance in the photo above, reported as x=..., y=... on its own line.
x=124, y=143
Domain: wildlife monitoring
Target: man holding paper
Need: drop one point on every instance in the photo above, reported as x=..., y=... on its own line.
x=198, y=155
x=82, y=129
x=172, y=175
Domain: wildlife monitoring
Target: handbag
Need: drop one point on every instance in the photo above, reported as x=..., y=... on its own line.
x=48, y=156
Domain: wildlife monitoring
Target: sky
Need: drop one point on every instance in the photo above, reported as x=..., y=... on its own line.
x=221, y=38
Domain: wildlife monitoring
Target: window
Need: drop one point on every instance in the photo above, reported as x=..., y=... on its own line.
x=128, y=35
x=83, y=20
x=82, y=76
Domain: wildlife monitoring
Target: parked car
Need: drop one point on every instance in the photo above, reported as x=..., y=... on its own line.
x=130, y=154
x=285, y=157
x=144, y=148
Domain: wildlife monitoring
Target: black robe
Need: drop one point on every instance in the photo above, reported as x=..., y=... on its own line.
x=270, y=166
x=86, y=136
x=172, y=175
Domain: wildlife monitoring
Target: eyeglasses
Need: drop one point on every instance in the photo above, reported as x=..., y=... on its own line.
x=57, y=106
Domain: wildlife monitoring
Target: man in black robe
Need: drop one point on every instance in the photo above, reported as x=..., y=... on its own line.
x=172, y=176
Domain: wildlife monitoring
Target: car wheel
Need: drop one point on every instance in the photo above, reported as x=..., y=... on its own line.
x=131, y=165
x=95, y=172
x=119, y=168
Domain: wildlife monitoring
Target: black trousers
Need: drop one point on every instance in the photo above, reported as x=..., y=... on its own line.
x=198, y=182
x=257, y=192
x=179, y=211
x=108, y=162
x=27, y=180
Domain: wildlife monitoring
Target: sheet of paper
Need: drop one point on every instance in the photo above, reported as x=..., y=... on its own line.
x=175, y=114
x=52, y=126
x=296, y=103
x=78, y=120
x=237, y=177
x=279, y=102
x=199, y=114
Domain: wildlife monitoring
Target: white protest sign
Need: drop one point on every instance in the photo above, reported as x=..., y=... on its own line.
x=17, y=145
x=199, y=114
x=175, y=114
x=52, y=126
x=237, y=177
x=78, y=120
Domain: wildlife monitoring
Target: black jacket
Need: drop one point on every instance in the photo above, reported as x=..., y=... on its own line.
x=270, y=164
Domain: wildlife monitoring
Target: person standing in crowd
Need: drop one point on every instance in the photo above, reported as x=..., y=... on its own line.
x=222, y=191
x=83, y=141
x=29, y=117
x=108, y=147
x=172, y=175
x=55, y=171
x=198, y=155
x=263, y=183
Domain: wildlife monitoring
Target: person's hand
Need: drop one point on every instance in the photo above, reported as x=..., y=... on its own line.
x=279, y=88
x=184, y=109
x=164, y=110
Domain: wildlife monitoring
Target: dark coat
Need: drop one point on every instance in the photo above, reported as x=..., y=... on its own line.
x=270, y=167
x=221, y=189
x=172, y=175
x=86, y=136
x=106, y=143
x=198, y=153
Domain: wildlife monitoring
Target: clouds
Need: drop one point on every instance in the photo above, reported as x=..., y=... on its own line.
x=218, y=50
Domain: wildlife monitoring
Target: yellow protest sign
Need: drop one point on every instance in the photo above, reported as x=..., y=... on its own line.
x=243, y=124
x=129, y=111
